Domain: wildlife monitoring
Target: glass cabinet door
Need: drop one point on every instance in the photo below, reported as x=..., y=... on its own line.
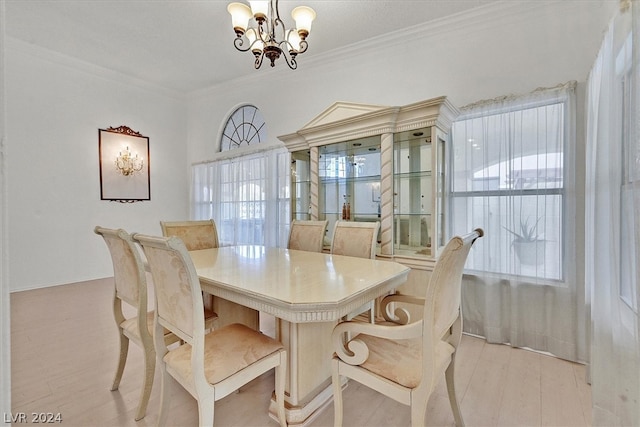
x=413, y=193
x=301, y=185
x=349, y=181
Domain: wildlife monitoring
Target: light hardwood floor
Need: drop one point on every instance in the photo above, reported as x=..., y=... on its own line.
x=63, y=349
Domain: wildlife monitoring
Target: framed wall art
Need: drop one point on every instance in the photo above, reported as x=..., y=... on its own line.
x=124, y=165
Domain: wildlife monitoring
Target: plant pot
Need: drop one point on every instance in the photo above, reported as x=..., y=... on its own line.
x=530, y=253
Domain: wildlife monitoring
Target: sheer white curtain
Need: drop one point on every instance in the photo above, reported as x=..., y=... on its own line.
x=247, y=196
x=513, y=174
x=612, y=221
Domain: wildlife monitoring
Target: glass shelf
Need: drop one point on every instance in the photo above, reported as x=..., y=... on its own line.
x=413, y=192
x=411, y=175
x=371, y=178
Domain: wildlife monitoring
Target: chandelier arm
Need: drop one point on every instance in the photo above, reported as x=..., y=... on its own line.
x=238, y=42
x=289, y=58
x=278, y=23
x=258, y=62
x=303, y=46
x=277, y=10
x=292, y=63
x=286, y=46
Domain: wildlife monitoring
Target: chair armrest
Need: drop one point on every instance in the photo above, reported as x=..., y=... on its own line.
x=400, y=315
x=355, y=351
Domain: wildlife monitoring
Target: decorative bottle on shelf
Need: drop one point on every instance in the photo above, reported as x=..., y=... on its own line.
x=348, y=211
x=344, y=211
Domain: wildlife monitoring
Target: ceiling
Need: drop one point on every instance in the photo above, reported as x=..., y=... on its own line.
x=187, y=45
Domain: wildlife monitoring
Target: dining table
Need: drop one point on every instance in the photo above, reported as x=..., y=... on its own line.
x=308, y=293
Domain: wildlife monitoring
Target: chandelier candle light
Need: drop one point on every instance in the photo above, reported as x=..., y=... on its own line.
x=127, y=164
x=269, y=36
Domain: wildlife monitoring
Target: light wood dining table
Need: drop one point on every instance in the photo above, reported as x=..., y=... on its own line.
x=308, y=293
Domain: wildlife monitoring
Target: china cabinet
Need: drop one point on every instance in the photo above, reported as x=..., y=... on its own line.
x=363, y=162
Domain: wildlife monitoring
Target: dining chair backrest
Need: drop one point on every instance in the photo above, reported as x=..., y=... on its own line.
x=196, y=235
x=443, y=296
x=307, y=235
x=176, y=284
x=128, y=268
x=357, y=239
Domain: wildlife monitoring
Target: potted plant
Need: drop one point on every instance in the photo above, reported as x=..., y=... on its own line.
x=528, y=245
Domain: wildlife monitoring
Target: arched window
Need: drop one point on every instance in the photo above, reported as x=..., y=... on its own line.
x=244, y=127
x=246, y=192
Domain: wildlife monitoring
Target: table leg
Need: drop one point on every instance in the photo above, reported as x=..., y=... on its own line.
x=308, y=388
x=230, y=312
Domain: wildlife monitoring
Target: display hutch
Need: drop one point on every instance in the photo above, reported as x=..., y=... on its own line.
x=376, y=163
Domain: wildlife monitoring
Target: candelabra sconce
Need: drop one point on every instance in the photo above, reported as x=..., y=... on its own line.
x=128, y=164
x=124, y=165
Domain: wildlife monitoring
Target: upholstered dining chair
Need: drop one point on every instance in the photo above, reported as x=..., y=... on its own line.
x=196, y=235
x=307, y=235
x=357, y=239
x=353, y=238
x=131, y=288
x=405, y=360
x=209, y=366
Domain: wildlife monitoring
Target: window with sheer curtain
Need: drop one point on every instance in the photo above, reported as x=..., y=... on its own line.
x=629, y=171
x=512, y=172
x=508, y=176
x=247, y=196
x=612, y=206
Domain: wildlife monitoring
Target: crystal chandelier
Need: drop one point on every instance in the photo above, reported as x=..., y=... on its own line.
x=268, y=36
x=127, y=164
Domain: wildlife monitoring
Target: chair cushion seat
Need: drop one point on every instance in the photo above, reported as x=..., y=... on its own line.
x=400, y=361
x=226, y=351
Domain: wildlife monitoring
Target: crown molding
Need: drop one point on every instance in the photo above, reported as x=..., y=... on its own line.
x=482, y=18
x=89, y=68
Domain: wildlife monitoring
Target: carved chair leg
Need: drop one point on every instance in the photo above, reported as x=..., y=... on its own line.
x=147, y=382
x=206, y=412
x=418, y=411
x=124, y=349
x=451, y=390
x=166, y=383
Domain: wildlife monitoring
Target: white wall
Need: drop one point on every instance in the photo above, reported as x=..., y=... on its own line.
x=55, y=106
x=5, y=327
x=511, y=47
